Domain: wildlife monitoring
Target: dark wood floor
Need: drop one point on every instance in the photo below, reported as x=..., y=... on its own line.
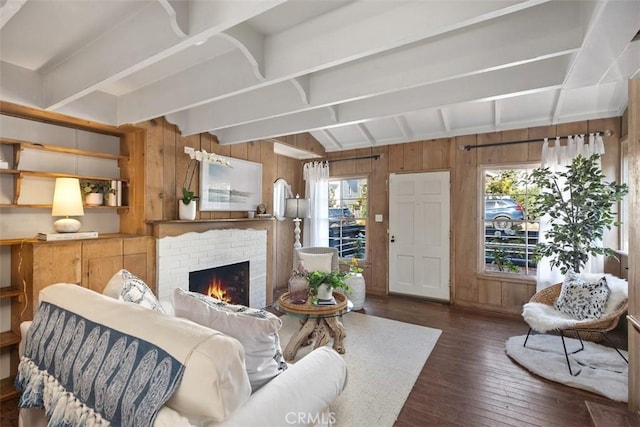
x=468, y=379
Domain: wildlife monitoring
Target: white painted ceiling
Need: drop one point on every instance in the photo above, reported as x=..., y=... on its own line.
x=353, y=73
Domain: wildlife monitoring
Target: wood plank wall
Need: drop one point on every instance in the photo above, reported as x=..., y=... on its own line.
x=505, y=294
x=166, y=163
x=469, y=287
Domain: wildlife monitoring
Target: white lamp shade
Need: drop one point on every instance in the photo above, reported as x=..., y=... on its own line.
x=67, y=199
x=296, y=208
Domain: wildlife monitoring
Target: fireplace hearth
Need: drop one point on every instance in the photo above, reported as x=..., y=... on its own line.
x=229, y=283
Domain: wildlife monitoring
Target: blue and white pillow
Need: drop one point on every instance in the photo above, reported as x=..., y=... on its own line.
x=581, y=299
x=130, y=288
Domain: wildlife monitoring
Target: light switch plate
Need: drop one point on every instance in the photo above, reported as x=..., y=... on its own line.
x=378, y=217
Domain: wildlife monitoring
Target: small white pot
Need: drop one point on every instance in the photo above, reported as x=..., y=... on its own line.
x=94, y=199
x=188, y=211
x=358, y=290
x=324, y=292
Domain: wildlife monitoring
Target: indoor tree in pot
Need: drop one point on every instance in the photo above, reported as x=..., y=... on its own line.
x=580, y=204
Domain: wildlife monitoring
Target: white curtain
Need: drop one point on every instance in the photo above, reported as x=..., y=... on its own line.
x=556, y=158
x=316, y=227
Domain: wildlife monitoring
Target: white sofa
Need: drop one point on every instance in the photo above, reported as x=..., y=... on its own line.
x=214, y=389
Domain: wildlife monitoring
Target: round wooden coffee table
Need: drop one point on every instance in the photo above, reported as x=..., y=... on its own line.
x=318, y=323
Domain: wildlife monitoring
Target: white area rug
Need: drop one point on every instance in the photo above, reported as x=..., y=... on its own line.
x=601, y=369
x=384, y=358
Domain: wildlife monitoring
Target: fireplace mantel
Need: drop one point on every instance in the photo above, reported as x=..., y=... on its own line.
x=174, y=228
x=178, y=227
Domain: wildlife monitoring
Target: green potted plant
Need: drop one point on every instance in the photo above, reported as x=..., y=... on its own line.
x=94, y=191
x=579, y=202
x=322, y=284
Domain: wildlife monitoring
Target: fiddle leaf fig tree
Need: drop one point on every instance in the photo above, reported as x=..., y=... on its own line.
x=579, y=203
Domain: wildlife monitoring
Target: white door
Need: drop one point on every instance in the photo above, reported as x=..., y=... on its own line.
x=419, y=232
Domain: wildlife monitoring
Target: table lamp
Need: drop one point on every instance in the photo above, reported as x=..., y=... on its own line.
x=296, y=208
x=67, y=201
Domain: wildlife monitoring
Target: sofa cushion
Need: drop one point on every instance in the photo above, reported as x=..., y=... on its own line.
x=316, y=262
x=214, y=382
x=256, y=329
x=582, y=299
x=127, y=287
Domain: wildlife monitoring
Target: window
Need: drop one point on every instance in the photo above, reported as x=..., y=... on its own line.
x=348, y=216
x=509, y=224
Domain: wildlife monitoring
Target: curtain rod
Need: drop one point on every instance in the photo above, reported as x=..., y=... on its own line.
x=606, y=132
x=373, y=156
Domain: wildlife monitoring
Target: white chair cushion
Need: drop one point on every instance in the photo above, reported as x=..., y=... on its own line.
x=316, y=262
x=256, y=329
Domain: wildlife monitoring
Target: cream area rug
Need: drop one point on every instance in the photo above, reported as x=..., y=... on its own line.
x=384, y=358
x=600, y=369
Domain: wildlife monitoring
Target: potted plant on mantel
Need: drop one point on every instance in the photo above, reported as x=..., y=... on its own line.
x=579, y=202
x=187, y=203
x=322, y=284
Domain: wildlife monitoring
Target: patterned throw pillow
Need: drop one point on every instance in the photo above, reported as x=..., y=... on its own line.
x=581, y=299
x=256, y=329
x=135, y=290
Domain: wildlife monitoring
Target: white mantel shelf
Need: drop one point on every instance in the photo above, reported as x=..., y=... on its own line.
x=178, y=227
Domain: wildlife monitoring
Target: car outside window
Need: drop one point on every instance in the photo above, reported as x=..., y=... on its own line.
x=348, y=216
x=509, y=226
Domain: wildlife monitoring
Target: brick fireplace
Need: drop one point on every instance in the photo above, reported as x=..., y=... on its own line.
x=190, y=252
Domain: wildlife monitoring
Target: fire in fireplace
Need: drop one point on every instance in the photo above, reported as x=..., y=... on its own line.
x=229, y=283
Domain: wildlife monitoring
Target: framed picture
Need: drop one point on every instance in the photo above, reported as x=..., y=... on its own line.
x=235, y=188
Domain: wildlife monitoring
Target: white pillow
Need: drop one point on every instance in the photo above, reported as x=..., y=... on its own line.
x=316, y=262
x=130, y=288
x=257, y=331
x=114, y=285
x=582, y=299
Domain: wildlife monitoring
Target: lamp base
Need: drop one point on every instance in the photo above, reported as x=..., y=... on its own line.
x=66, y=225
x=296, y=233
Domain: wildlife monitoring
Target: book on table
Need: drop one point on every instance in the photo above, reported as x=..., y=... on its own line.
x=331, y=301
x=51, y=237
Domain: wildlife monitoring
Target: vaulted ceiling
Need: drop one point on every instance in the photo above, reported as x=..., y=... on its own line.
x=353, y=73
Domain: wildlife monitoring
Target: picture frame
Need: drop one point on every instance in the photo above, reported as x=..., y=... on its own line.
x=234, y=188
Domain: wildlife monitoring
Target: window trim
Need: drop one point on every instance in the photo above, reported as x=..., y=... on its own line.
x=366, y=177
x=481, y=263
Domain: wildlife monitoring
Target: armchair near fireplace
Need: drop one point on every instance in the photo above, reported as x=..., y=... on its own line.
x=317, y=258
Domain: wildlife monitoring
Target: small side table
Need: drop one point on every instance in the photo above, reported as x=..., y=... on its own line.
x=319, y=322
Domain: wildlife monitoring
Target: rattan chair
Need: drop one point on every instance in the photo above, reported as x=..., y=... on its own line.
x=583, y=330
